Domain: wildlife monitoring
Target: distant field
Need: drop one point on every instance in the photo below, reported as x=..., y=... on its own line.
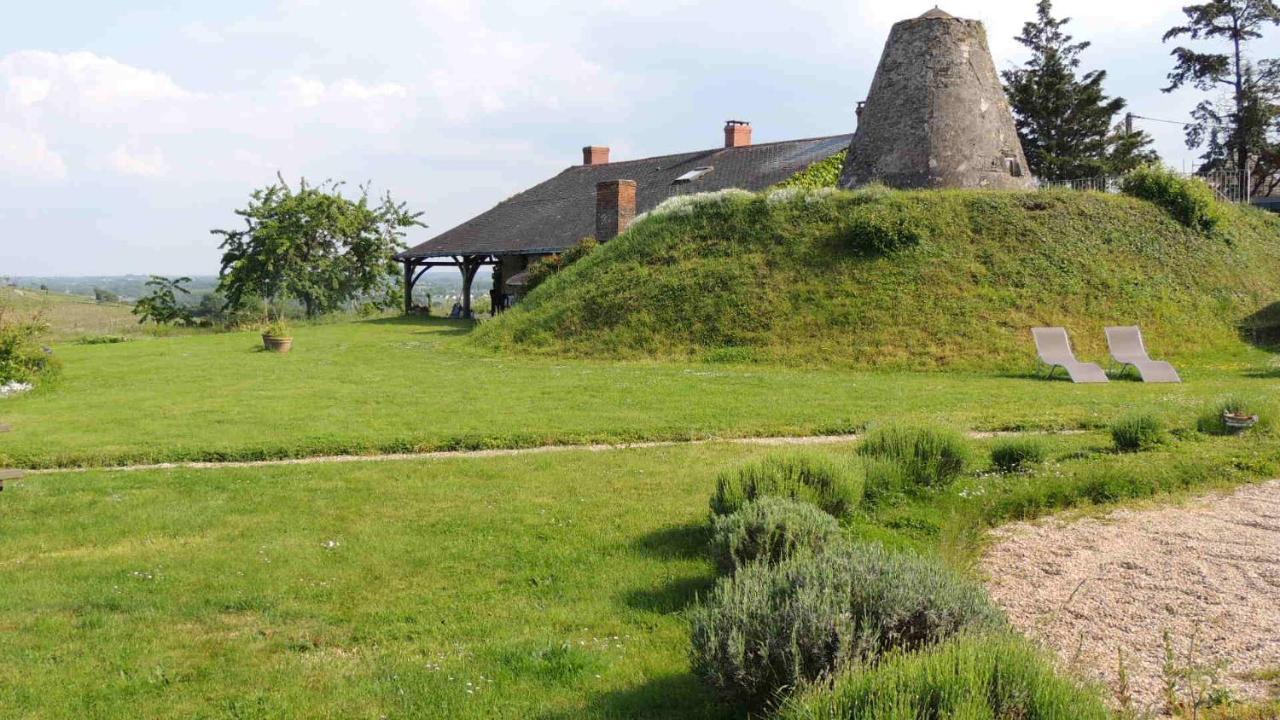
x=74, y=316
x=412, y=385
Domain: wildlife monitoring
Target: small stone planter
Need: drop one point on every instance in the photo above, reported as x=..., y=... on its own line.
x=1238, y=422
x=276, y=343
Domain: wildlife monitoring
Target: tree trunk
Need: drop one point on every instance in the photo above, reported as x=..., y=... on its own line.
x=1242, y=146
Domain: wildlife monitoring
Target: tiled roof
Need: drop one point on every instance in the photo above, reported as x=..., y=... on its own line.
x=556, y=214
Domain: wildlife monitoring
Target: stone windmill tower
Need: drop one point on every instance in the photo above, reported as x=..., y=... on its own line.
x=936, y=115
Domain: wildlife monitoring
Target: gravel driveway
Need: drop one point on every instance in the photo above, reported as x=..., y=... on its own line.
x=1092, y=588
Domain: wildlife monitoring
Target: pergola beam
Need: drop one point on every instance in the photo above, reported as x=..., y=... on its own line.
x=468, y=265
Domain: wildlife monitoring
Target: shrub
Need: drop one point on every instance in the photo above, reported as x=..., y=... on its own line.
x=996, y=677
x=1137, y=432
x=886, y=224
x=1018, y=454
x=101, y=339
x=822, y=174
x=929, y=458
x=1114, y=479
x=162, y=304
x=1210, y=420
x=544, y=268
x=1189, y=200
x=886, y=481
x=687, y=205
x=22, y=359
x=833, y=484
x=767, y=629
x=770, y=530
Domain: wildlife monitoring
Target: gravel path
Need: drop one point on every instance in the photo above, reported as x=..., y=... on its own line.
x=445, y=454
x=1092, y=588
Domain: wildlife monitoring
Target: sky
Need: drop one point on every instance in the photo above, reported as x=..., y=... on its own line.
x=128, y=130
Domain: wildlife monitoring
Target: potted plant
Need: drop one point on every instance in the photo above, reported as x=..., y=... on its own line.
x=1238, y=420
x=276, y=337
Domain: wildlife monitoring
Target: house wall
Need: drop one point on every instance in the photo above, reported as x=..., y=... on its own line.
x=509, y=265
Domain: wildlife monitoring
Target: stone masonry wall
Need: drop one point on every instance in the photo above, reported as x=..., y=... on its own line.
x=936, y=115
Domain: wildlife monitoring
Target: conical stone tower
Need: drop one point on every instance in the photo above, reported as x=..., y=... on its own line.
x=936, y=115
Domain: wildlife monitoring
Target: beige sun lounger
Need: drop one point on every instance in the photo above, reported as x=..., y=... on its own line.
x=1054, y=349
x=1128, y=349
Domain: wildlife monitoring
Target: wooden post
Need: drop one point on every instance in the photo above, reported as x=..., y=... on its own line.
x=470, y=266
x=408, y=287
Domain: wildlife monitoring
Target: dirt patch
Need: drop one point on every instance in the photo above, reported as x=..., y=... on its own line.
x=1093, y=588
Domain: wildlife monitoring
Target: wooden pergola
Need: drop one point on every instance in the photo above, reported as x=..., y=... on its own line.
x=468, y=265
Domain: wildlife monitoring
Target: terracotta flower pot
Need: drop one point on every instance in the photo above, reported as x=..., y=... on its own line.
x=277, y=344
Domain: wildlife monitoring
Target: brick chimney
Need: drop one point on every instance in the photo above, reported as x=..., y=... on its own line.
x=615, y=208
x=595, y=155
x=737, y=133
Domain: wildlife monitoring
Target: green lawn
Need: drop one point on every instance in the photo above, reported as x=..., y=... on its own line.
x=398, y=385
x=537, y=586
x=547, y=585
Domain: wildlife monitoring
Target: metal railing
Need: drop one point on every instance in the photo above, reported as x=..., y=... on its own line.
x=1102, y=183
x=1230, y=187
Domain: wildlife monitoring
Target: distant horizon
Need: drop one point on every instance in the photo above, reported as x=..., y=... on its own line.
x=193, y=276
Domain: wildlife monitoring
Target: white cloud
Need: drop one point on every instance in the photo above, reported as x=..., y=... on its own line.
x=310, y=92
x=1096, y=20
x=66, y=114
x=27, y=91
x=82, y=80
x=148, y=163
x=26, y=156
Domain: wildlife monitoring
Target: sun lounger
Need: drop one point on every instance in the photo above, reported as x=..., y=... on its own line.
x=1128, y=349
x=1054, y=349
x=10, y=475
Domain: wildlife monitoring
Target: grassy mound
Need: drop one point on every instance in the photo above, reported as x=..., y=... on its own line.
x=880, y=278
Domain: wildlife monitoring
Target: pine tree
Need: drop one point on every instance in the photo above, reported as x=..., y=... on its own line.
x=1238, y=128
x=1067, y=124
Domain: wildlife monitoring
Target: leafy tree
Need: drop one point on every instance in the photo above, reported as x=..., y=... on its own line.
x=1066, y=122
x=1238, y=127
x=103, y=295
x=161, y=305
x=315, y=246
x=22, y=359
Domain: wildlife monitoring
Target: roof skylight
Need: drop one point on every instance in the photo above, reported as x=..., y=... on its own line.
x=692, y=175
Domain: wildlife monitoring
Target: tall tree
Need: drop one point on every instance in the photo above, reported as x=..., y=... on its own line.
x=1066, y=122
x=315, y=246
x=1238, y=127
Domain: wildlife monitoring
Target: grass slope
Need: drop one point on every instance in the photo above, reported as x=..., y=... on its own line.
x=72, y=316
x=789, y=277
